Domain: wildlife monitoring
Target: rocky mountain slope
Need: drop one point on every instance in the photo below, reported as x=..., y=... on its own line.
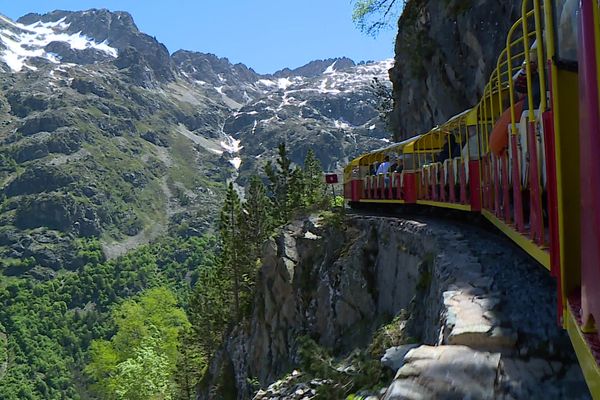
x=468, y=326
x=107, y=136
x=333, y=113
x=445, y=52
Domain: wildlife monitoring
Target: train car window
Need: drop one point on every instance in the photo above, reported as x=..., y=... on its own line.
x=566, y=17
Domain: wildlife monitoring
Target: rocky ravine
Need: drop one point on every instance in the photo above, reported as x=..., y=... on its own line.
x=483, y=313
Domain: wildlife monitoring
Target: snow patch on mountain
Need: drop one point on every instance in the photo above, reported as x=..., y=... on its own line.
x=24, y=42
x=232, y=147
x=330, y=69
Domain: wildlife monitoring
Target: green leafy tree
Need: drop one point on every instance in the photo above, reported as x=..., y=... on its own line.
x=147, y=331
x=144, y=375
x=371, y=16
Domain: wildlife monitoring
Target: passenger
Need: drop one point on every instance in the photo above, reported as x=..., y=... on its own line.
x=373, y=169
x=400, y=166
x=520, y=81
x=384, y=167
x=499, y=136
x=450, y=150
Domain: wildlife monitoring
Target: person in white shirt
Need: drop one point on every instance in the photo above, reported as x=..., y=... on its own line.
x=384, y=166
x=383, y=169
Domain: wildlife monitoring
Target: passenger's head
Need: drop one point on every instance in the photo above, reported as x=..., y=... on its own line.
x=386, y=158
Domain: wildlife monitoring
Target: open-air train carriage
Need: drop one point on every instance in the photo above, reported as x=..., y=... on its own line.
x=527, y=157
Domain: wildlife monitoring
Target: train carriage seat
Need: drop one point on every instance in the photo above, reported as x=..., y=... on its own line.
x=455, y=165
x=425, y=172
x=434, y=172
x=445, y=169
x=451, y=166
x=523, y=128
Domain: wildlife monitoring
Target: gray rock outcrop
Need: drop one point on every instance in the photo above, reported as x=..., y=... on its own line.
x=445, y=52
x=484, y=313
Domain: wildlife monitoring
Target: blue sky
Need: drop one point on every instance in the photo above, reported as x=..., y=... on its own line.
x=266, y=35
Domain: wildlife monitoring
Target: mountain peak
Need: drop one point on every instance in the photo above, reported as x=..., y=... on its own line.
x=85, y=37
x=316, y=68
x=95, y=23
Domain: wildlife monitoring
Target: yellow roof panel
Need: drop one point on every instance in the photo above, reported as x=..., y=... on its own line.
x=431, y=141
x=409, y=147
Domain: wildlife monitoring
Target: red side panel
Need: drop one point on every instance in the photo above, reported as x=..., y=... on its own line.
x=442, y=183
x=348, y=190
x=410, y=187
x=505, y=188
x=552, y=200
x=451, y=184
x=495, y=162
x=516, y=177
x=474, y=185
x=356, y=189
x=536, y=222
x=463, y=184
x=589, y=146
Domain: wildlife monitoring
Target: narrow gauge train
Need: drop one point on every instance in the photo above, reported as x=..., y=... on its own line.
x=525, y=157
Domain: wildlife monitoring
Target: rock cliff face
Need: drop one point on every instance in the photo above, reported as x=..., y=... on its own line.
x=482, y=313
x=445, y=52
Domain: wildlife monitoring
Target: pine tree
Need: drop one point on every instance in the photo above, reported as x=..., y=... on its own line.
x=297, y=189
x=190, y=363
x=209, y=308
x=279, y=183
x=233, y=256
x=315, y=187
x=258, y=221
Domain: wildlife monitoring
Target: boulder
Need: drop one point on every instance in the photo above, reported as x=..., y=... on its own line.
x=445, y=372
x=394, y=356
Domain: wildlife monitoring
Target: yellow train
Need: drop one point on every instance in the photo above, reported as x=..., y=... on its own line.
x=525, y=157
